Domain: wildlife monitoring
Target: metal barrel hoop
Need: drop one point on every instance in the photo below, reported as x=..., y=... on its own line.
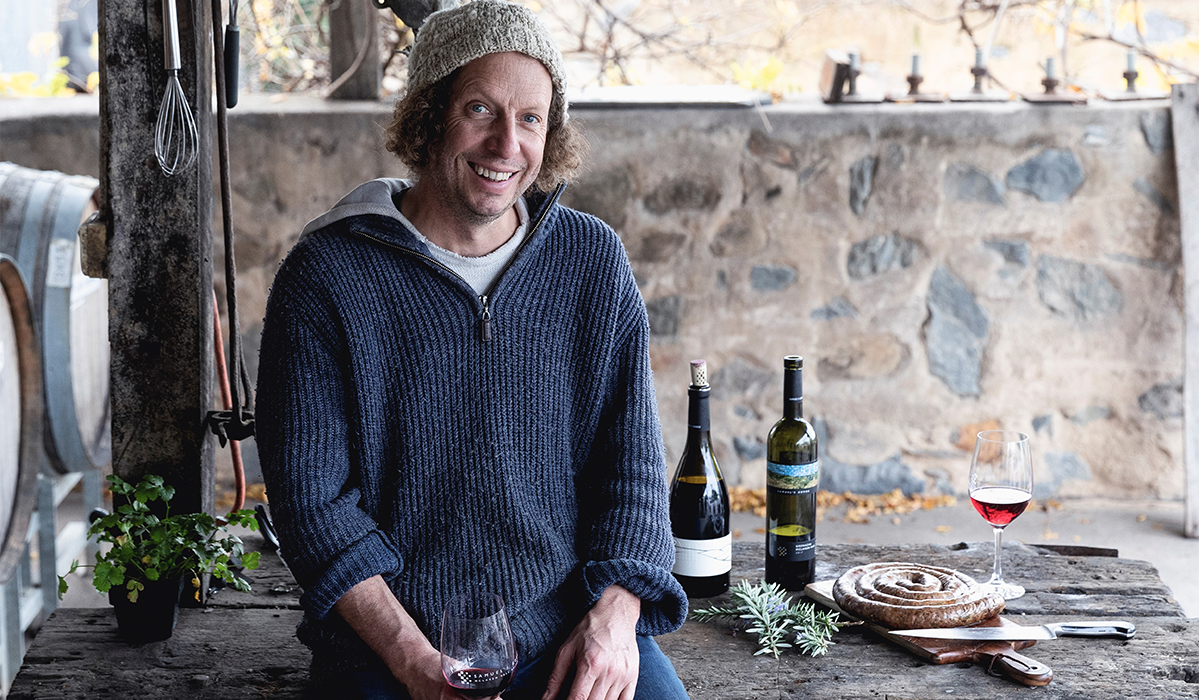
x=40, y=213
x=14, y=294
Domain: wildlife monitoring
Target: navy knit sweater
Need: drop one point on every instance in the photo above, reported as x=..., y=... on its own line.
x=397, y=438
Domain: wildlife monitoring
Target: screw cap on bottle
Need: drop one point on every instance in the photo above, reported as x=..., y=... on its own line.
x=792, y=362
x=699, y=373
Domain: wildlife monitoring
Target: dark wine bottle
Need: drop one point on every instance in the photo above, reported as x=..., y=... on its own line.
x=792, y=475
x=699, y=503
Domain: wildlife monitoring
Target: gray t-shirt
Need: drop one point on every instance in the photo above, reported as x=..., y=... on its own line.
x=479, y=272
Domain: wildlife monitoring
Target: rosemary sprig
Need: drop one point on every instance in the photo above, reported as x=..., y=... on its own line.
x=775, y=619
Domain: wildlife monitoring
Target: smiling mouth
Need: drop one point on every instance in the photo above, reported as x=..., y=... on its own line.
x=491, y=174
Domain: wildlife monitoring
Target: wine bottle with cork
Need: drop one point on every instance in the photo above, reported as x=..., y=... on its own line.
x=792, y=476
x=699, y=502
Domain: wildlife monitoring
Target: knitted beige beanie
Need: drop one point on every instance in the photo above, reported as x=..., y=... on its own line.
x=454, y=37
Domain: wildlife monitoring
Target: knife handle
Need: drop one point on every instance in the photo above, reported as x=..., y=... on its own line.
x=1019, y=668
x=1095, y=628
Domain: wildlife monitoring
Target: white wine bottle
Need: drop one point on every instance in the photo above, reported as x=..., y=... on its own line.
x=792, y=475
x=699, y=503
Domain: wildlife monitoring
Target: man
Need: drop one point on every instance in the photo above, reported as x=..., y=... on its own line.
x=455, y=394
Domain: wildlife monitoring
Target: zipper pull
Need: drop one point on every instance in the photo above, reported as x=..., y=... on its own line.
x=485, y=320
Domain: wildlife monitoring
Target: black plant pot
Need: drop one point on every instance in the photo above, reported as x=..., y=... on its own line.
x=152, y=618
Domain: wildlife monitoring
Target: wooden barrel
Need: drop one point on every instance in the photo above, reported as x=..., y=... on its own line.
x=20, y=416
x=40, y=213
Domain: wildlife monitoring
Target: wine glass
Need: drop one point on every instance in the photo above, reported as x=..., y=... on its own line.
x=1000, y=489
x=478, y=651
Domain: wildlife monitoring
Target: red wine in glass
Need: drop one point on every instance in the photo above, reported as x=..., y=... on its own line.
x=999, y=505
x=478, y=651
x=480, y=682
x=1000, y=488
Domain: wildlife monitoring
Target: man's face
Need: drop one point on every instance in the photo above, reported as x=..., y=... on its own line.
x=495, y=130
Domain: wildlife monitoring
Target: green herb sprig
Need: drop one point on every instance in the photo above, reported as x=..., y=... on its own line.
x=768, y=612
x=148, y=548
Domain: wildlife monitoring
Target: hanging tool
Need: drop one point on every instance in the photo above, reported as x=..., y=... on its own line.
x=232, y=55
x=238, y=422
x=175, y=138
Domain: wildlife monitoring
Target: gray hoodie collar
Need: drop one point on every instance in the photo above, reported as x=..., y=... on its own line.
x=374, y=197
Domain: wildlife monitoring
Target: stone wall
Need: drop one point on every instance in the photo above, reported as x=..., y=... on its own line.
x=942, y=269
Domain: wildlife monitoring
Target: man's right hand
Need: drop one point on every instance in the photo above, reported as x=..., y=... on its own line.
x=380, y=620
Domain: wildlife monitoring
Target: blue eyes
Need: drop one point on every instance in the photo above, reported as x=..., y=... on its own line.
x=481, y=109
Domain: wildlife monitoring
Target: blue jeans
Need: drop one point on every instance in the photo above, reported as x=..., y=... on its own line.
x=656, y=679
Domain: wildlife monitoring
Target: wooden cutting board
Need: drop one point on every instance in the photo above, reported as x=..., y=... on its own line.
x=1000, y=657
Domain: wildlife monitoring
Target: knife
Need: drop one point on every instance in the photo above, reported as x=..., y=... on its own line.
x=1053, y=630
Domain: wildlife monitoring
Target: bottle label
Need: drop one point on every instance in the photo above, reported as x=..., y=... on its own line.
x=791, y=548
x=792, y=478
x=703, y=557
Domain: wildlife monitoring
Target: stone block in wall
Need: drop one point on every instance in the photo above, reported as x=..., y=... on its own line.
x=1157, y=129
x=864, y=358
x=861, y=180
x=656, y=246
x=956, y=333
x=772, y=278
x=880, y=254
x=1163, y=400
x=1159, y=200
x=879, y=477
x=1075, y=289
x=604, y=194
x=683, y=193
x=838, y=307
x=966, y=183
x=1053, y=175
x=740, y=378
x=740, y=236
x=663, y=317
x=1059, y=467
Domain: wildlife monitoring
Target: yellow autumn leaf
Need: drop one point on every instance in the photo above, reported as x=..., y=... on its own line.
x=760, y=77
x=93, y=81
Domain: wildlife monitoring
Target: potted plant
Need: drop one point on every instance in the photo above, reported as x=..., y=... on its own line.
x=152, y=559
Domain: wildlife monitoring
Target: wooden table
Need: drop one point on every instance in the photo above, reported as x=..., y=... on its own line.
x=244, y=646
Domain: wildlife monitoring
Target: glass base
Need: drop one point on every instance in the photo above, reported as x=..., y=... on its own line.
x=1007, y=590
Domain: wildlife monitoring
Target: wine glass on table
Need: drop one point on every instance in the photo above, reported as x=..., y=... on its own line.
x=1000, y=489
x=478, y=651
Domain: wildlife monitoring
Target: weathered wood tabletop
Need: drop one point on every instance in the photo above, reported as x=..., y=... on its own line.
x=244, y=646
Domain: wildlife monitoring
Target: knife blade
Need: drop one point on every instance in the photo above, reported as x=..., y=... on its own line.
x=1053, y=630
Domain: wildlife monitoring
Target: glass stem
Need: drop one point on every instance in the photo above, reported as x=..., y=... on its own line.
x=998, y=575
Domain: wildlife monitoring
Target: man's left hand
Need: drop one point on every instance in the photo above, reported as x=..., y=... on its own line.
x=602, y=649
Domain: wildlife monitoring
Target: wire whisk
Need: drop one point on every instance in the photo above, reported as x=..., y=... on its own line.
x=175, y=137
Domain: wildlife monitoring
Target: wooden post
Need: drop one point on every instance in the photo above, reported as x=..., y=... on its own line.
x=354, y=47
x=159, y=251
x=1185, y=117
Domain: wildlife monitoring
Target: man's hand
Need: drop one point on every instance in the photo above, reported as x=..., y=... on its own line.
x=602, y=649
x=379, y=619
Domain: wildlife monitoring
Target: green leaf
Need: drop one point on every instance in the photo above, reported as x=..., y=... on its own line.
x=250, y=560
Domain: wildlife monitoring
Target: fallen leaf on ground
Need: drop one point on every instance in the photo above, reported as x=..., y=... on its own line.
x=1084, y=521
x=1142, y=518
x=736, y=533
x=896, y=520
x=944, y=528
x=1077, y=538
x=760, y=530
